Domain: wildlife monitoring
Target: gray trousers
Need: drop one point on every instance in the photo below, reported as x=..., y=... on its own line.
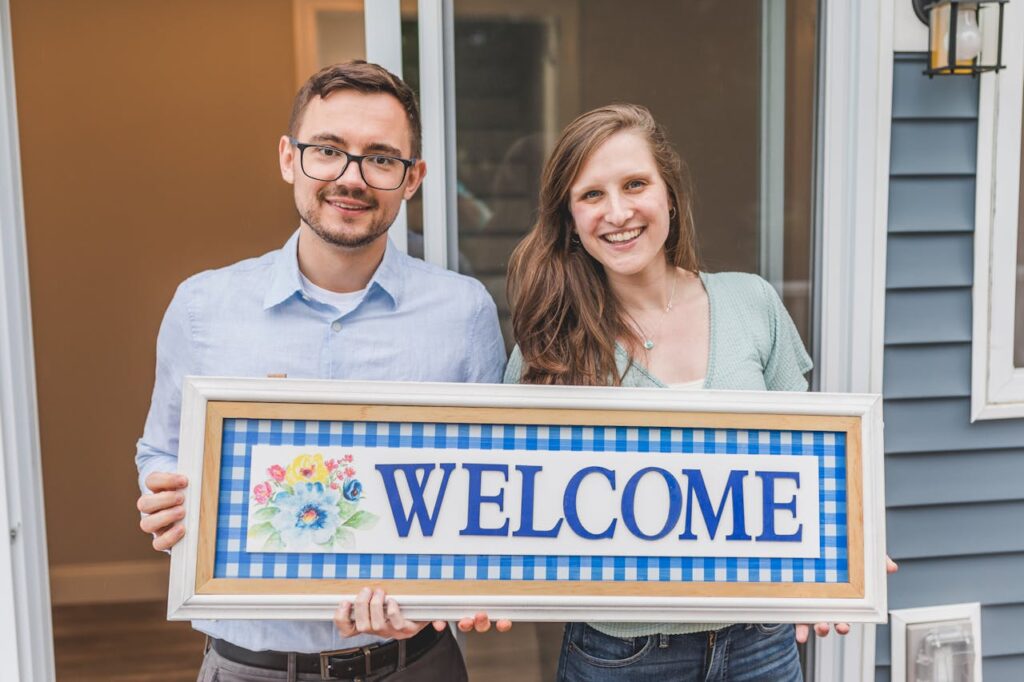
x=442, y=663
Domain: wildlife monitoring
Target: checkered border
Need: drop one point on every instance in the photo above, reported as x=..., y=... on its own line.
x=232, y=561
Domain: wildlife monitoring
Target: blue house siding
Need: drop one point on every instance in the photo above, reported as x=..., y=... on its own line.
x=955, y=490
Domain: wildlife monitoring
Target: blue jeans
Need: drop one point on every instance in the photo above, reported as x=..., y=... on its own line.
x=737, y=653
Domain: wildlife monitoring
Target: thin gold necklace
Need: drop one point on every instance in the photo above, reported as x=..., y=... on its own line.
x=648, y=338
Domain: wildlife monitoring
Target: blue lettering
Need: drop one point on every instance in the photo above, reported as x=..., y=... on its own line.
x=696, y=487
x=769, y=503
x=476, y=499
x=675, y=503
x=571, y=510
x=416, y=476
x=526, y=528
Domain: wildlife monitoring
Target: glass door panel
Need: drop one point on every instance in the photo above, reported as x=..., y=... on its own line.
x=734, y=88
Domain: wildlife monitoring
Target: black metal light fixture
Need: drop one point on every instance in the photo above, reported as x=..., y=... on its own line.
x=955, y=38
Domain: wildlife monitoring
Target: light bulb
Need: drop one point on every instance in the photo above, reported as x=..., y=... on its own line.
x=968, y=35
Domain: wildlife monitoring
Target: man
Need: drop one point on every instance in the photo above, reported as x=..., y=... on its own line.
x=338, y=301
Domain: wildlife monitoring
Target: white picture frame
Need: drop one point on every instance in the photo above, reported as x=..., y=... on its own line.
x=860, y=596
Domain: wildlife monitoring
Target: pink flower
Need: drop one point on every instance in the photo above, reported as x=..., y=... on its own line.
x=262, y=492
x=346, y=458
x=277, y=472
x=334, y=485
x=349, y=472
x=331, y=464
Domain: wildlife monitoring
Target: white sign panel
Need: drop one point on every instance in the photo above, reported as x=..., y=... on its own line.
x=403, y=500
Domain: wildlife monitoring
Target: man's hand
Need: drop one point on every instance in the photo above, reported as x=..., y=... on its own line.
x=803, y=631
x=163, y=509
x=374, y=613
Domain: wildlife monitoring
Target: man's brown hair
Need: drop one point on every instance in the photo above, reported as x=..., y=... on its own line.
x=360, y=76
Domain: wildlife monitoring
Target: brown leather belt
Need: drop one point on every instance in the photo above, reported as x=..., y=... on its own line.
x=343, y=664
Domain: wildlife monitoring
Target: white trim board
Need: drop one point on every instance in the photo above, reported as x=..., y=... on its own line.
x=28, y=650
x=855, y=120
x=909, y=33
x=997, y=387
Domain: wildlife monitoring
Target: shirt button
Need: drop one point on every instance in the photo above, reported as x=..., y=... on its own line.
x=336, y=326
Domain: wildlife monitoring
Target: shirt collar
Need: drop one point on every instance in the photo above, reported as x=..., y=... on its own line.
x=285, y=281
x=390, y=276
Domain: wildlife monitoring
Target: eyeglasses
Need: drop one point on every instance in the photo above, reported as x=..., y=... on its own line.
x=327, y=164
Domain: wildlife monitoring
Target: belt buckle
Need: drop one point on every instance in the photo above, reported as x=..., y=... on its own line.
x=325, y=665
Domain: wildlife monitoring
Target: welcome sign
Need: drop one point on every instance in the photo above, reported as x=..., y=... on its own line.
x=529, y=502
x=429, y=500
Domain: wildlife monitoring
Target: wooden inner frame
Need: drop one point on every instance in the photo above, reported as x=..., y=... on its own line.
x=218, y=411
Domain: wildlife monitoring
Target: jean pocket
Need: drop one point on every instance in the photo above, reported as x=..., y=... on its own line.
x=769, y=628
x=604, y=651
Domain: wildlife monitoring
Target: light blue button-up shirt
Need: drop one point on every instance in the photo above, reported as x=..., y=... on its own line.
x=417, y=322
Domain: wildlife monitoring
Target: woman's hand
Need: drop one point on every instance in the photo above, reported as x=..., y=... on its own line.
x=482, y=623
x=803, y=631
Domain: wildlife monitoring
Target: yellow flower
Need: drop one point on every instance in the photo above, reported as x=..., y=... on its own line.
x=306, y=469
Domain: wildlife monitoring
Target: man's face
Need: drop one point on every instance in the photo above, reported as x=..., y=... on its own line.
x=347, y=212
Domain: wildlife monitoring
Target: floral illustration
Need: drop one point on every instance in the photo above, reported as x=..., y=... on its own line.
x=310, y=504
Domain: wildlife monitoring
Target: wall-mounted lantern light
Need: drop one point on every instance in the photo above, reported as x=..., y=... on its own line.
x=955, y=37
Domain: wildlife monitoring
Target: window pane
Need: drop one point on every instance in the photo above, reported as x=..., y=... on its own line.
x=524, y=70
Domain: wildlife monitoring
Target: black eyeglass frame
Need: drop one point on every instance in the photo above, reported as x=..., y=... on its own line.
x=349, y=158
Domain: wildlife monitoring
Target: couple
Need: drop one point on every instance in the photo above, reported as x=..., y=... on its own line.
x=606, y=289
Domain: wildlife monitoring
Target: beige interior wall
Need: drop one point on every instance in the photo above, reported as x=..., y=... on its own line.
x=148, y=146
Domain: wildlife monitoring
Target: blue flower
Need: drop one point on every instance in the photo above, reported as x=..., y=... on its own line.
x=352, y=489
x=308, y=515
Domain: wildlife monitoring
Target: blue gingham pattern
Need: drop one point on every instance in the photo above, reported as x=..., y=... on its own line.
x=232, y=561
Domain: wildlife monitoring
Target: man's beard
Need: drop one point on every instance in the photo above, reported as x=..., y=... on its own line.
x=349, y=241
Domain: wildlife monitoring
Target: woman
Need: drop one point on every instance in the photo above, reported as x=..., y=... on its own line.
x=606, y=289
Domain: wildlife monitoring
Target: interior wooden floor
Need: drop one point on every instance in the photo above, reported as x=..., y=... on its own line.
x=134, y=642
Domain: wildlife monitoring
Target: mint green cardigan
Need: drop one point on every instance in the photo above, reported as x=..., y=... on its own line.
x=754, y=346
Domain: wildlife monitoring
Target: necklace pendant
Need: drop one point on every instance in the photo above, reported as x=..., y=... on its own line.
x=648, y=344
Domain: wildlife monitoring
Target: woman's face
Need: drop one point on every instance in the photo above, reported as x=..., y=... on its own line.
x=620, y=206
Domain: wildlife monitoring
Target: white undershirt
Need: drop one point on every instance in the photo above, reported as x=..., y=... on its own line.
x=344, y=302
x=694, y=385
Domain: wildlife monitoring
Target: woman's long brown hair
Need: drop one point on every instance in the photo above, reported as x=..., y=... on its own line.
x=565, y=317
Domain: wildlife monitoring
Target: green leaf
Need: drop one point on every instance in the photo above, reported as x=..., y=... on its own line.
x=346, y=508
x=265, y=514
x=344, y=537
x=273, y=543
x=361, y=520
x=261, y=531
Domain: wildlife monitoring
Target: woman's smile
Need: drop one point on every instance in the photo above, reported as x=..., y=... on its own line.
x=623, y=236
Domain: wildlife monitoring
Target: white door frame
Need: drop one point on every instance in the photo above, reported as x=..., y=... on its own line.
x=382, y=21
x=772, y=214
x=854, y=123
x=26, y=643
